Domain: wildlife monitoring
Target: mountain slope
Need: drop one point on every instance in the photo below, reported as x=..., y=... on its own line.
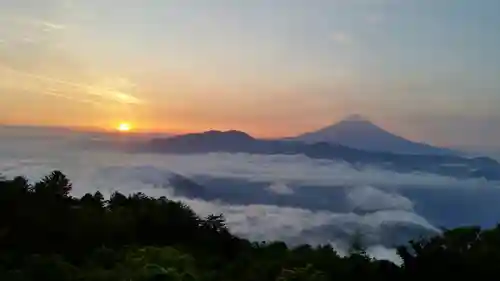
x=358, y=132
x=239, y=142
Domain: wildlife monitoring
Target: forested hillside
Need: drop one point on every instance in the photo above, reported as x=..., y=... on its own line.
x=46, y=234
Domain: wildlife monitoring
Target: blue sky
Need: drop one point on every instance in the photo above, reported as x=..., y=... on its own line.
x=426, y=69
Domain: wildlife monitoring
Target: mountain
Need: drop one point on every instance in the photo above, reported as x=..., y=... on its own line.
x=210, y=141
x=358, y=132
x=240, y=142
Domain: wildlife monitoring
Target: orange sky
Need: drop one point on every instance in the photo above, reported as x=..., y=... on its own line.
x=421, y=69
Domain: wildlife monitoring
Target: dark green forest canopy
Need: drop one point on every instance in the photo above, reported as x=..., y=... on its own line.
x=46, y=234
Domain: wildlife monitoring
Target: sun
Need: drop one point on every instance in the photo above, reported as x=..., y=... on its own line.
x=124, y=127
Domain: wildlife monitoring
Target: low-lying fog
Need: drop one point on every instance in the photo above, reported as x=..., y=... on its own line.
x=291, y=198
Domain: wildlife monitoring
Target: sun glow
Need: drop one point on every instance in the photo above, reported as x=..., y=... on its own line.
x=124, y=127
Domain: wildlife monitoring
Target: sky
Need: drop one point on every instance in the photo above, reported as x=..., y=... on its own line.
x=425, y=69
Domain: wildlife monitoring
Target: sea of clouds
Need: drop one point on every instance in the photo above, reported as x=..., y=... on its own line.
x=263, y=197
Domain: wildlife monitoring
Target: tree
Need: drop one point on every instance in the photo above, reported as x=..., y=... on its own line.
x=47, y=235
x=95, y=201
x=117, y=199
x=307, y=273
x=215, y=223
x=55, y=184
x=356, y=247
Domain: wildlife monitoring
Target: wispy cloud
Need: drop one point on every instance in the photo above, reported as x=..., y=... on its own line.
x=48, y=26
x=103, y=92
x=55, y=93
x=18, y=29
x=280, y=188
x=34, y=23
x=373, y=201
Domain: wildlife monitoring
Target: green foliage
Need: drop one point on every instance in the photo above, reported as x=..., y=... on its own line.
x=307, y=273
x=357, y=247
x=45, y=234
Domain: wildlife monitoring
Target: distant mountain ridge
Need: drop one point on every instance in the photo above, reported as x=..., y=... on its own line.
x=357, y=131
x=240, y=142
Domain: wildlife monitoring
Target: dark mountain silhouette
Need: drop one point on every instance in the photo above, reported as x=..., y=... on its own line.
x=358, y=132
x=186, y=187
x=239, y=142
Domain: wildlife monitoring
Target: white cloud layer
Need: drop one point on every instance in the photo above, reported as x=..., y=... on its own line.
x=375, y=206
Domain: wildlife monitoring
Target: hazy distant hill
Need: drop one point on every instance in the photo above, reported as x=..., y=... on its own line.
x=358, y=132
x=240, y=142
